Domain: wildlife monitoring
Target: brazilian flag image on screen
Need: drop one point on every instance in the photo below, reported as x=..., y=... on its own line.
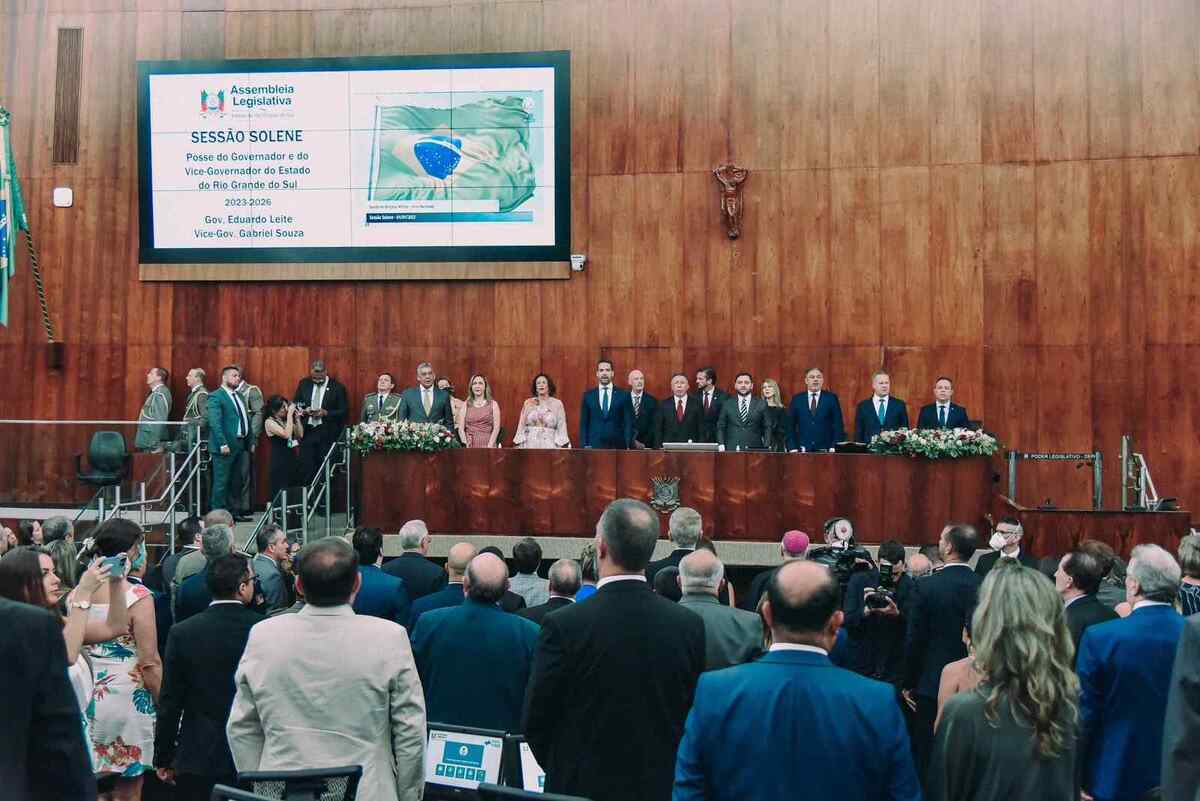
x=476, y=151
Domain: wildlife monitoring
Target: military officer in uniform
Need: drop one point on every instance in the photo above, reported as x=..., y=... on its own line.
x=195, y=410
x=252, y=398
x=150, y=433
x=383, y=404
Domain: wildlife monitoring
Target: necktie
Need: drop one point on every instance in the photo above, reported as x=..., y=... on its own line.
x=604, y=401
x=707, y=401
x=744, y=410
x=942, y=416
x=427, y=400
x=679, y=410
x=812, y=403
x=243, y=423
x=381, y=403
x=637, y=405
x=882, y=410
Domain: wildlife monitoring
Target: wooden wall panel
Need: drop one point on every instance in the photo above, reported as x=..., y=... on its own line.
x=968, y=187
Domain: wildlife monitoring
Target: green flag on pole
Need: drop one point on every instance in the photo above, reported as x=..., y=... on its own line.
x=12, y=214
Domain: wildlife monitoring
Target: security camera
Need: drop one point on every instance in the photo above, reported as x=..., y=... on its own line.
x=578, y=260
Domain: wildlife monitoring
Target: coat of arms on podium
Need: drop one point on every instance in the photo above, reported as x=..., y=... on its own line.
x=664, y=494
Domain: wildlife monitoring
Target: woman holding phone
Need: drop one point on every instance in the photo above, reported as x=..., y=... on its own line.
x=128, y=668
x=284, y=430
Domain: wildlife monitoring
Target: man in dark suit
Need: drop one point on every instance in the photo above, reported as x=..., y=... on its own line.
x=425, y=403
x=194, y=596
x=451, y=645
x=509, y=600
x=684, y=527
x=202, y=657
x=876, y=635
x=613, y=677
x=324, y=400
x=644, y=407
x=1181, y=759
x=680, y=417
x=793, y=545
x=460, y=556
x=1005, y=544
x=945, y=602
x=605, y=415
x=379, y=594
x=565, y=581
x=731, y=636
x=712, y=400
x=844, y=739
x=942, y=413
x=880, y=412
x=1124, y=671
x=422, y=576
x=229, y=436
x=43, y=756
x=744, y=423
x=816, y=417
x=1077, y=579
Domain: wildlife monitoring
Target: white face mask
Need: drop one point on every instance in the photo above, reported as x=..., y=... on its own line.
x=997, y=541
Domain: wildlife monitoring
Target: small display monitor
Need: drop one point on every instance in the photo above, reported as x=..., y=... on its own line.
x=458, y=759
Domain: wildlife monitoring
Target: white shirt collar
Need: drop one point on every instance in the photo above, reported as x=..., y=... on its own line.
x=955, y=564
x=879, y=400
x=793, y=646
x=942, y=405
x=1012, y=555
x=621, y=577
x=564, y=597
x=1140, y=604
x=1073, y=600
x=214, y=603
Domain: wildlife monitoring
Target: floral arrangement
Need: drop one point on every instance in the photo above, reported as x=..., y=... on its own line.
x=935, y=443
x=401, y=435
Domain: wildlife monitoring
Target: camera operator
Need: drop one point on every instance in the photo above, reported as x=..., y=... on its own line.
x=841, y=553
x=878, y=603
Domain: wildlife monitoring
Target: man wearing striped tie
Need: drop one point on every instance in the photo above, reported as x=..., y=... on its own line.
x=942, y=413
x=229, y=435
x=744, y=423
x=880, y=412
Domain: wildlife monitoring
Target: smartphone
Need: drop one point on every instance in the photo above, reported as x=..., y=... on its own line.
x=116, y=564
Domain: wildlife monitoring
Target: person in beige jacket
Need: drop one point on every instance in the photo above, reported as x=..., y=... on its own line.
x=327, y=688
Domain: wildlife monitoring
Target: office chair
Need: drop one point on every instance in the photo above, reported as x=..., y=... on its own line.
x=494, y=792
x=323, y=784
x=223, y=792
x=108, y=460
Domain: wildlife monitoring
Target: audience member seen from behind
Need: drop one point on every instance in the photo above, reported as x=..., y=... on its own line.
x=613, y=678
x=29, y=532
x=122, y=717
x=43, y=753
x=666, y=583
x=731, y=635
x=194, y=597
x=959, y=675
x=284, y=430
x=684, y=528
x=878, y=605
x=543, y=422
x=1111, y=592
x=564, y=584
x=480, y=425
x=325, y=687
x=780, y=425
x=1181, y=732
x=461, y=554
x=28, y=576
x=509, y=601
x=793, y=545
x=193, y=562
x=1076, y=581
x=527, y=558
x=1189, y=585
x=1124, y=675
x=844, y=738
x=944, y=604
x=380, y=595
x=479, y=646
x=190, y=749
x=422, y=576
x=589, y=571
x=57, y=528
x=1013, y=736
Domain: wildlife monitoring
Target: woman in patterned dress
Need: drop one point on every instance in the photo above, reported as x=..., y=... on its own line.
x=128, y=671
x=543, y=421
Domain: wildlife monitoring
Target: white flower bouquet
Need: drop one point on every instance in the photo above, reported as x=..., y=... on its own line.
x=935, y=443
x=401, y=435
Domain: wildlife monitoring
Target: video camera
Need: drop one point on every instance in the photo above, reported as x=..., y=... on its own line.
x=843, y=562
x=879, y=597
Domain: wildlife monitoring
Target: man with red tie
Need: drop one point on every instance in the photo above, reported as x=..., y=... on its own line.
x=816, y=417
x=679, y=418
x=711, y=401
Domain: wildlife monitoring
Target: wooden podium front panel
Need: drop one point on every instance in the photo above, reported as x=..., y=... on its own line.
x=752, y=497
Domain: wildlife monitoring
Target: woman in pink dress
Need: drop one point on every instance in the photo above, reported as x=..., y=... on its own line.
x=480, y=424
x=543, y=421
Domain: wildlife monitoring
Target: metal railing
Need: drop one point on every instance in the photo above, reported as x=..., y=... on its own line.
x=1136, y=480
x=303, y=503
x=1082, y=459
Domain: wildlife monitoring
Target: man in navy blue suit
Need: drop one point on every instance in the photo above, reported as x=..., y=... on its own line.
x=797, y=721
x=1124, y=679
x=380, y=595
x=816, y=417
x=451, y=644
x=461, y=554
x=880, y=412
x=942, y=413
x=606, y=416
